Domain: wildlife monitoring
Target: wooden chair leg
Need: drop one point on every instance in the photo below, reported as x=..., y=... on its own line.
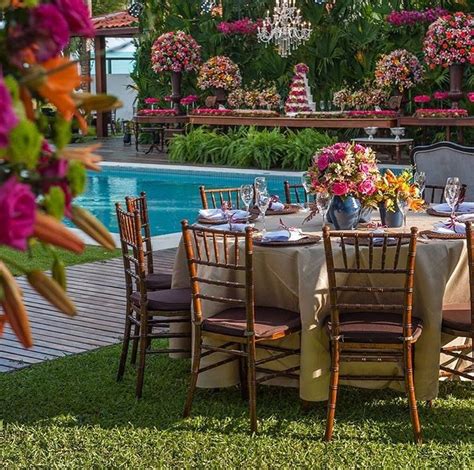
x=125, y=346
x=333, y=389
x=244, y=389
x=142, y=354
x=133, y=357
x=194, y=374
x=252, y=383
x=410, y=390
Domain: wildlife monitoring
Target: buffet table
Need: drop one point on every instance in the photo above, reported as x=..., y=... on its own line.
x=295, y=278
x=447, y=123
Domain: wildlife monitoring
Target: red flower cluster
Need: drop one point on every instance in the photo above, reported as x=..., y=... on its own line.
x=441, y=113
x=212, y=112
x=243, y=27
x=371, y=114
x=156, y=112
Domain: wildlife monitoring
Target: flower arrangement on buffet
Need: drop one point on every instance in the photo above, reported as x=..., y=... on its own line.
x=450, y=40
x=267, y=98
x=372, y=114
x=367, y=98
x=157, y=112
x=175, y=51
x=219, y=72
x=399, y=70
x=40, y=177
x=441, y=113
x=212, y=112
x=391, y=189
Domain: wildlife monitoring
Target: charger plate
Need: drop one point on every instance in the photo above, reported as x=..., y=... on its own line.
x=442, y=236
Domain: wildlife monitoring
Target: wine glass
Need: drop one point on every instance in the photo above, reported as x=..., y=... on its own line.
x=322, y=105
x=452, y=191
x=305, y=181
x=247, y=195
x=420, y=181
x=260, y=184
x=323, y=199
x=404, y=206
x=263, y=201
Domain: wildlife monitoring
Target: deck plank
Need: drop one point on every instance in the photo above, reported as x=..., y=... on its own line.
x=98, y=291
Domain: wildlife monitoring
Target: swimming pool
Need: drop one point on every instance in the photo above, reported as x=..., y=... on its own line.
x=173, y=194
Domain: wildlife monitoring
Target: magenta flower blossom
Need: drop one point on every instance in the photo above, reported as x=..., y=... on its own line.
x=422, y=99
x=243, y=27
x=17, y=214
x=151, y=100
x=323, y=162
x=48, y=30
x=470, y=97
x=8, y=118
x=413, y=17
x=77, y=16
x=441, y=95
x=340, y=189
x=367, y=187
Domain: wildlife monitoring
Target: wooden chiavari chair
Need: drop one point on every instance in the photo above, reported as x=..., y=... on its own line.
x=154, y=281
x=435, y=194
x=241, y=326
x=458, y=321
x=215, y=198
x=296, y=190
x=371, y=332
x=146, y=310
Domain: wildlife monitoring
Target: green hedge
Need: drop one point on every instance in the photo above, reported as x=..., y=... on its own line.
x=249, y=147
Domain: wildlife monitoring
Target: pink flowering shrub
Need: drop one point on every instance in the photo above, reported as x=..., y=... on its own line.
x=243, y=27
x=422, y=99
x=413, y=17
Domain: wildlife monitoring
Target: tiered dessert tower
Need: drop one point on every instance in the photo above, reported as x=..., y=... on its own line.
x=300, y=98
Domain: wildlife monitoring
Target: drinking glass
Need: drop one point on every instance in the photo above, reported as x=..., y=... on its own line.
x=247, y=194
x=323, y=199
x=260, y=184
x=452, y=192
x=403, y=206
x=420, y=181
x=263, y=201
x=322, y=105
x=305, y=181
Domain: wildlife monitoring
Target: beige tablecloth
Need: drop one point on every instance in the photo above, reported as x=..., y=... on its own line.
x=295, y=278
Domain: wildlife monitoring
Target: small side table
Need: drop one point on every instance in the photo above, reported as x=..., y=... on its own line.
x=387, y=142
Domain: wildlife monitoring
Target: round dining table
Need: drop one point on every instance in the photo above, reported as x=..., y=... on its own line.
x=295, y=278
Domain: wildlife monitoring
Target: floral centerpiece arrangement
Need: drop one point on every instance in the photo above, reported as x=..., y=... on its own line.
x=266, y=98
x=40, y=177
x=367, y=98
x=450, y=40
x=219, y=72
x=350, y=174
x=400, y=70
x=396, y=195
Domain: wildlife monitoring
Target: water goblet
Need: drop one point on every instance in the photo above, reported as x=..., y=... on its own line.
x=306, y=183
x=323, y=199
x=263, y=201
x=260, y=184
x=420, y=180
x=397, y=132
x=322, y=105
x=247, y=195
x=404, y=207
x=371, y=131
x=452, y=191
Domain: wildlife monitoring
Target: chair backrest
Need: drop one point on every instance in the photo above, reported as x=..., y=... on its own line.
x=216, y=197
x=360, y=257
x=300, y=195
x=470, y=257
x=435, y=194
x=133, y=254
x=444, y=159
x=139, y=204
x=221, y=250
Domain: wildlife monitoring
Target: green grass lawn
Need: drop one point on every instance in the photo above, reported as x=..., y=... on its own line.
x=39, y=258
x=70, y=413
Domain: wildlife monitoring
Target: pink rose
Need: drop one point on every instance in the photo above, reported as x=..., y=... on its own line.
x=17, y=214
x=323, y=162
x=366, y=187
x=339, y=155
x=340, y=189
x=364, y=168
x=359, y=148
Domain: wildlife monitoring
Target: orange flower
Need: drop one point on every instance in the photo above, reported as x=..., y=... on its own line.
x=59, y=83
x=84, y=155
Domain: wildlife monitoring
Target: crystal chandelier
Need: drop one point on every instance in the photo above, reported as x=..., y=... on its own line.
x=285, y=29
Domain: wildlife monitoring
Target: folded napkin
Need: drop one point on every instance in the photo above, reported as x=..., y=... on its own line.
x=277, y=206
x=292, y=235
x=212, y=214
x=238, y=214
x=232, y=227
x=379, y=240
x=465, y=207
x=447, y=228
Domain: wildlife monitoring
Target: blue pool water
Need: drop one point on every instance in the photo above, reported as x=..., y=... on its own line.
x=172, y=194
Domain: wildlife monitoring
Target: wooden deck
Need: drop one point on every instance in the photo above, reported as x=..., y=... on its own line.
x=98, y=290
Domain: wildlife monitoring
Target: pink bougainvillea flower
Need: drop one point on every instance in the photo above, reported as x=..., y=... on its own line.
x=17, y=214
x=77, y=16
x=8, y=118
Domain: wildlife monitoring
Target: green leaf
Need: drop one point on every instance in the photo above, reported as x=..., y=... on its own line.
x=62, y=133
x=25, y=144
x=54, y=202
x=58, y=272
x=77, y=178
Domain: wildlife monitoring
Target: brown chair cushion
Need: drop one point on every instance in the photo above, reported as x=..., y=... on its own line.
x=457, y=317
x=269, y=321
x=167, y=300
x=158, y=281
x=374, y=327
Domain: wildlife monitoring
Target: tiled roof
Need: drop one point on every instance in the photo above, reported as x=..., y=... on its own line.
x=119, y=19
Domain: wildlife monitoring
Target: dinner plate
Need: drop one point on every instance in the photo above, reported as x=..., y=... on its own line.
x=443, y=210
x=307, y=240
x=289, y=209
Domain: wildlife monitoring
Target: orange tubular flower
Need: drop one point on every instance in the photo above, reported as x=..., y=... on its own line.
x=61, y=80
x=85, y=155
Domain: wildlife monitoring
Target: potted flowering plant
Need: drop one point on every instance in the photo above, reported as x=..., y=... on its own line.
x=175, y=52
x=449, y=42
x=40, y=178
x=400, y=70
x=349, y=173
x=395, y=195
x=220, y=74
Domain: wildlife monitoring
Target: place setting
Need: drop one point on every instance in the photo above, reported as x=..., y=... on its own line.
x=285, y=237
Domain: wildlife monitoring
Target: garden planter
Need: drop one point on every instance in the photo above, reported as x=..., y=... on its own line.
x=392, y=219
x=176, y=78
x=456, y=72
x=344, y=212
x=220, y=95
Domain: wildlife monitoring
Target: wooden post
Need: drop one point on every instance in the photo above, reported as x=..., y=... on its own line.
x=100, y=82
